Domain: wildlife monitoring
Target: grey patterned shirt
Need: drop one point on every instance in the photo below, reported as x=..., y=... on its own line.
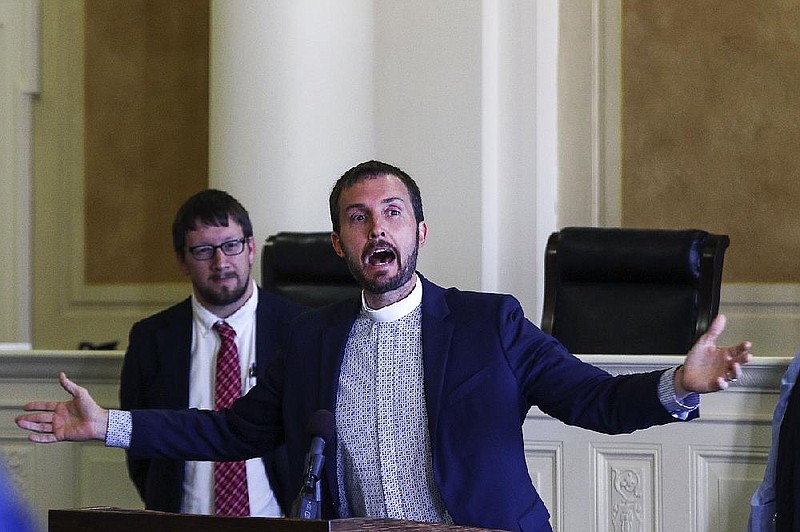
x=384, y=462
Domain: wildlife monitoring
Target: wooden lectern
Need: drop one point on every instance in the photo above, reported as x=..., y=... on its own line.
x=120, y=520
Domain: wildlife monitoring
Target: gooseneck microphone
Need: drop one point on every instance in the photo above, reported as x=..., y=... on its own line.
x=321, y=427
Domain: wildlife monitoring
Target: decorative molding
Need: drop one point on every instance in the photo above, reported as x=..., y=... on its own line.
x=20, y=460
x=67, y=308
x=724, y=474
x=628, y=483
x=87, y=473
x=546, y=468
x=606, y=111
x=646, y=479
x=738, y=405
x=18, y=65
x=761, y=374
x=89, y=366
x=627, y=500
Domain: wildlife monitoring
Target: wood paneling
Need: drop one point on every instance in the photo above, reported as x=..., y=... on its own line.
x=711, y=127
x=146, y=132
x=68, y=230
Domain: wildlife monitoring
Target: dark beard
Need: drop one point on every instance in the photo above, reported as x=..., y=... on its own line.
x=222, y=299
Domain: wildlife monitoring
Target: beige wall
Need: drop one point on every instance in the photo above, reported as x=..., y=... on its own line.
x=145, y=93
x=68, y=308
x=711, y=127
x=19, y=84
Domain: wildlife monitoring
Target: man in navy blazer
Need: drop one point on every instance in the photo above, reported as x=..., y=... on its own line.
x=155, y=374
x=170, y=358
x=430, y=386
x=484, y=366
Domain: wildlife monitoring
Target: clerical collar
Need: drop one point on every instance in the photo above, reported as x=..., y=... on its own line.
x=397, y=310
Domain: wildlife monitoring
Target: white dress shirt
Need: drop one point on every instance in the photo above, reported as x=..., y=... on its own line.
x=198, y=482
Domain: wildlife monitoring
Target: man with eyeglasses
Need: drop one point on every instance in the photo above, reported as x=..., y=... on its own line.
x=172, y=356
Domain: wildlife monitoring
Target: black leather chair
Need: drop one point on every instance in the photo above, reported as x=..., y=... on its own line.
x=619, y=290
x=303, y=267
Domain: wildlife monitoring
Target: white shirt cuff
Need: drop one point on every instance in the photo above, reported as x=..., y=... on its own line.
x=666, y=394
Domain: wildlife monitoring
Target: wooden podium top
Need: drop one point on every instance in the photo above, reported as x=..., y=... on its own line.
x=123, y=520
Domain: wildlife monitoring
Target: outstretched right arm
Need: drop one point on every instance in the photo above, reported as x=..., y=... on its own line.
x=251, y=427
x=78, y=419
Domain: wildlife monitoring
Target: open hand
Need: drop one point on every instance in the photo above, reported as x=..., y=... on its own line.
x=78, y=419
x=709, y=368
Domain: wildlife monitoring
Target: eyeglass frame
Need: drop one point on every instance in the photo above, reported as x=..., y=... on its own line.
x=241, y=241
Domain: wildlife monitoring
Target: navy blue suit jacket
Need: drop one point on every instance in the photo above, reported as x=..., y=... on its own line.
x=155, y=374
x=485, y=365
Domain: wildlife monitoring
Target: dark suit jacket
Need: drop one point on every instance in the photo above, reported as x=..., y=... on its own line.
x=787, y=467
x=485, y=364
x=155, y=374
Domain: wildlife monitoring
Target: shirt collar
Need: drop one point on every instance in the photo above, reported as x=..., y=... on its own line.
x=397, y=310
x=206, y=319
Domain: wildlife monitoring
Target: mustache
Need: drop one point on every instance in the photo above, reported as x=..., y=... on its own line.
x=222, y=276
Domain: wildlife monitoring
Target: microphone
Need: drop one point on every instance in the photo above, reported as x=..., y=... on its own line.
x=322, y=427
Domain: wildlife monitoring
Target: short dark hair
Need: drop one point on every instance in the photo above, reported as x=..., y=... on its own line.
x=210, y=208
x=369, y=170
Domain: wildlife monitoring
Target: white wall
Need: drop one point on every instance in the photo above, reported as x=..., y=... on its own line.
x=428, y=122
x=462, y=95
x=291, y=105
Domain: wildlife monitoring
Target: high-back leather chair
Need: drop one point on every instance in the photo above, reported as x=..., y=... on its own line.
x=303, y=267
x=619, y=290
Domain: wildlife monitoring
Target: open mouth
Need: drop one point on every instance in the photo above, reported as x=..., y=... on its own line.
x=380, y=256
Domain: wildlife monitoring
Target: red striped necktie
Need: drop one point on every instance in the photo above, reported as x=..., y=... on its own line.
x=230, y=478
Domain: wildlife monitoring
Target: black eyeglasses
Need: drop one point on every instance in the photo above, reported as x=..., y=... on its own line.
x=207, y=252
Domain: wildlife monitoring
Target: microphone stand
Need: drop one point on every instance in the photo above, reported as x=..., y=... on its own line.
x=308, y=503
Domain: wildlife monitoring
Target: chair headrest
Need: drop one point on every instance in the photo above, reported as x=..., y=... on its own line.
x=602, y=254
x=305, y=257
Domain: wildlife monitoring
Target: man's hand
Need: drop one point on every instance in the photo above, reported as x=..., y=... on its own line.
x=79, y=419
x=709, y=368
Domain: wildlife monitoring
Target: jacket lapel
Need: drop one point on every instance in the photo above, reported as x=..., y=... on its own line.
x=174, y=342
x=437, y=334
x=333, y=342
x=436, y=340
x=267, y=324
